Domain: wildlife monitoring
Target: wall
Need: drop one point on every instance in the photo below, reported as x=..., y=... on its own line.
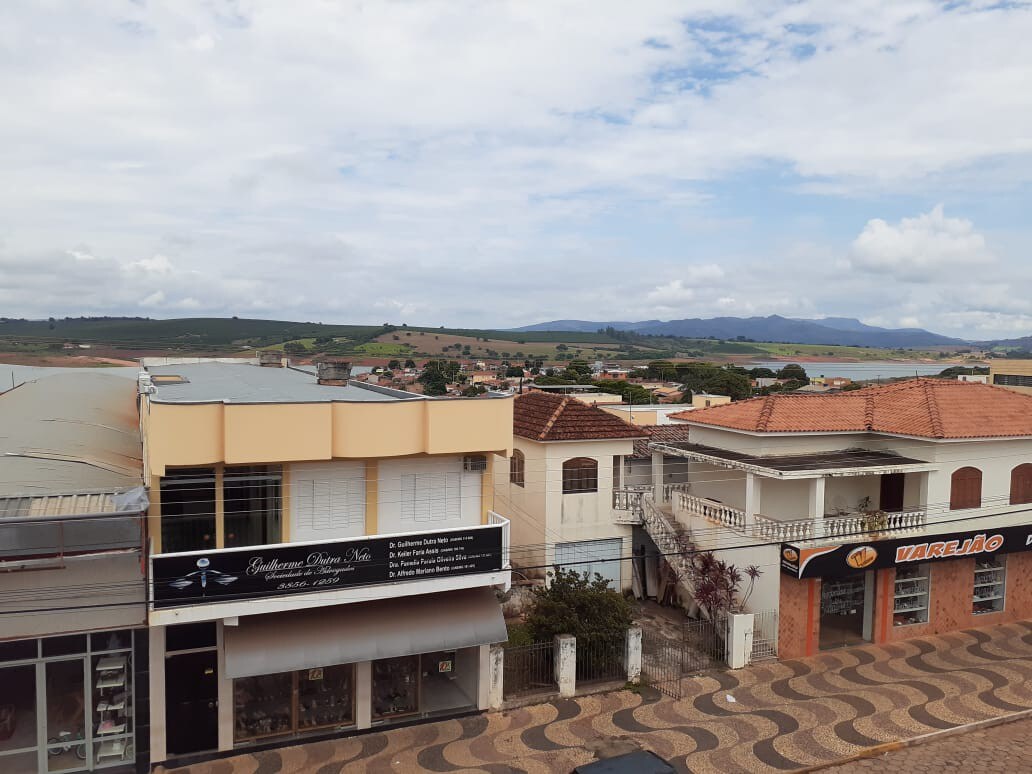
x=845, y=492
x=784, y=500
x=204, y=434
x=121, y=575
x=995, y=459
x=638, y=471
x=717, y=483
x=766, y=593
x=798, y=617
x=950, y=594
x=524, y=506
x=1014, y=368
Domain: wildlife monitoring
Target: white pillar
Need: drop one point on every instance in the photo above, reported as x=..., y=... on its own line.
x=566, y=664
x=657, y=476
x=817, y=505
x=364, y=694
x=496, y=673
x=633, y=657
x=156, y=667
x=739, y=640
x=752, y=498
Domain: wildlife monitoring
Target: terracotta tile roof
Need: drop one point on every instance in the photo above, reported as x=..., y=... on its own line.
x=660, y=434
x=543, y=416
x=927, y=408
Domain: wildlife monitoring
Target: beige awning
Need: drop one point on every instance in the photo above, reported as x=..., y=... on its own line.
x=283, y=642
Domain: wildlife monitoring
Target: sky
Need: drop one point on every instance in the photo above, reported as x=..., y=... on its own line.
x=485, y=163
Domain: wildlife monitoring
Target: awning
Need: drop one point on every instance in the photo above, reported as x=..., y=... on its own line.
x=283, y=642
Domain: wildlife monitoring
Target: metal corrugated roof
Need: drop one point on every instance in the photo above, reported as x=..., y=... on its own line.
x=75, y=433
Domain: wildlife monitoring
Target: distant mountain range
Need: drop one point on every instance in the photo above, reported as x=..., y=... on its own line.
x=829, y=330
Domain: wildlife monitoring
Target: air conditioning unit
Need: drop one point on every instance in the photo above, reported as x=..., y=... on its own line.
x=474, y=463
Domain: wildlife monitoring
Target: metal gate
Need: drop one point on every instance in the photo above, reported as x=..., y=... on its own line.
x=765, y=635
x=661, y=662
x=528, y=669
x=704, y=646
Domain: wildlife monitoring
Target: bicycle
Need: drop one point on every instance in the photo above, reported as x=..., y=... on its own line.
x=66, y=742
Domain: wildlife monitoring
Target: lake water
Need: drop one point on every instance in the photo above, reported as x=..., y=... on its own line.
x=858, y=371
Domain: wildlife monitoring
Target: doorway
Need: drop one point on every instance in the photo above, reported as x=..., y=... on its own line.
x=847, y=607
x=891, y=495
x=191, y=702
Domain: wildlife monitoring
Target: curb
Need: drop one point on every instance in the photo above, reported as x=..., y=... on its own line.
x=933, y=736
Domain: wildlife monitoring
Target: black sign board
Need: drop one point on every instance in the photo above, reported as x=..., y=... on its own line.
x=848, y=558
x=272, y=571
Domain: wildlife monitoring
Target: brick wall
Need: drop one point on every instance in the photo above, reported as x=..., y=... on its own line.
x=951, y=592
x=800, y=609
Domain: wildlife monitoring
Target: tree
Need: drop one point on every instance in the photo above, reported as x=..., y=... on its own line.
x=717, y=586
x=410, y=363
x=762, y=373
x=393, y=365
x=794, y=371
x=729, y=383
x=474, y=390
x=513, y=371
x=436, y=375
x=575, y=604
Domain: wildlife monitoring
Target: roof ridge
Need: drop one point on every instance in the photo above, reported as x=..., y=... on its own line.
x=555, y=416
x=869, y=412
x=765, y=413
x=932, y=400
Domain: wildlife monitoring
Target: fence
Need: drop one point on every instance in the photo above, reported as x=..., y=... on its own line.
x=661, y=662
x=599, y=660
x=765, y=635
x=529, y=669
x=704, y=645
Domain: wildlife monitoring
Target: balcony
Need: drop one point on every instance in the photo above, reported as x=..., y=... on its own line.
x=202, y=585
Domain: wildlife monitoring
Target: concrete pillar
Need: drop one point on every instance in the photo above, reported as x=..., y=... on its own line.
x=817, y=505
x=496, y=674
x=739, y=640
x=752, y=498
x=566, y=664
x=657, y=476
x=364, y=694
x=156, y=667
x=225, y=691
x=633, y=655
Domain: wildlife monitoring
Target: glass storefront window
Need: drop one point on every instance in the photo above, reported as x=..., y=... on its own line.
x=263, y=706
x=188, y=510
x=325, y=697
x=253, y=505
x=66, y=714
x=396, y=686
x=293, y=702
x=17, y=711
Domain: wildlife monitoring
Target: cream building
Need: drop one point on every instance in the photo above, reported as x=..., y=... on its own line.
x=324, y=553
x=558, y=484
x=1013, y=374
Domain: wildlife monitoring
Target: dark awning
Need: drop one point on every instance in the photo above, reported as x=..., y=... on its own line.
x=365, y=631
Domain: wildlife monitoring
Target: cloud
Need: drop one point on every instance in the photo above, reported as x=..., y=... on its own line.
x=489, y=164
x=920, y=249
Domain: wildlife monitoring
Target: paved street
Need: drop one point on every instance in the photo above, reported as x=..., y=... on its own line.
x=1004, y=748
x=770, y=717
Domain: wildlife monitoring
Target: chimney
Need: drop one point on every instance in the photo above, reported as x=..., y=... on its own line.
x=272, y=358
x=334, y=371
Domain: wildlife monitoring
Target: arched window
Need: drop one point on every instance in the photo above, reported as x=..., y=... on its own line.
x=517, y=464
x=966, y=489
x=580, y=475
x=1021, y=484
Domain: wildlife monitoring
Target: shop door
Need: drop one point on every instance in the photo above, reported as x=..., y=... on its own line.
x=891, y=499
x=842, y=611
x=191, y=702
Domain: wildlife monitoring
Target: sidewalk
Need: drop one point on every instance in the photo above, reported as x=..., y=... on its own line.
x=777, y=716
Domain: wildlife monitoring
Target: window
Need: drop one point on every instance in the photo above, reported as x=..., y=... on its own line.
x=431, y=496
x=253, y=504
x=1012, y=380
x=990, y=585
x=188, y=510
x=580, y=475
x=911, y=595
x=966, y=489
x=1021, y=484
x=517, y=463
x=293, y=702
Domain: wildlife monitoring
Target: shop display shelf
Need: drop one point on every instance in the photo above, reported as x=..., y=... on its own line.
x=989, y=598
x=111, y=727
x=911, y=594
